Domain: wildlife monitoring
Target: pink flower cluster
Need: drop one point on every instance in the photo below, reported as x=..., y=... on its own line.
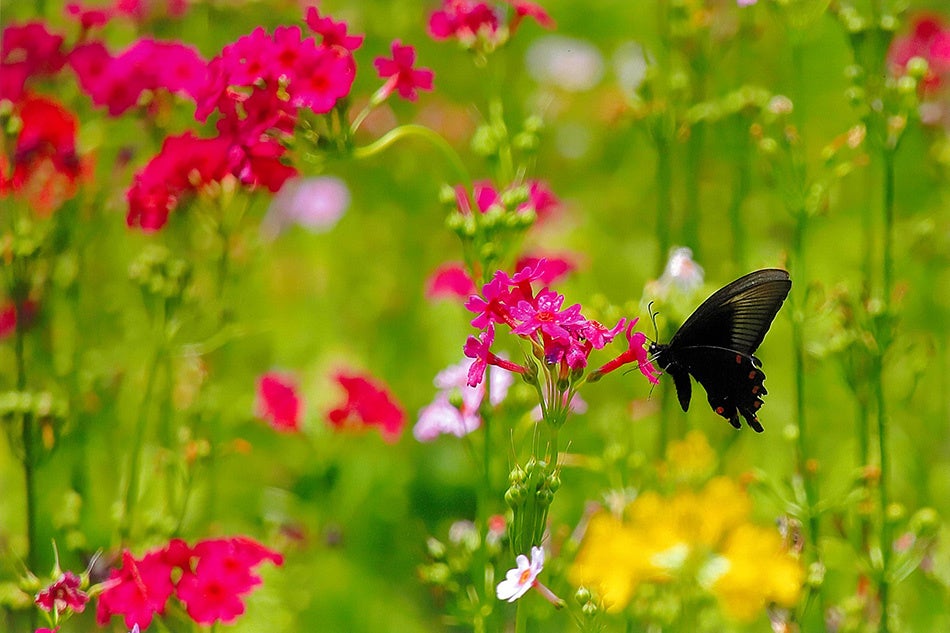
x=562, y=337
x=210, y=579
x=257, y=85
x=368, y=403
x=470, y=20
x=119, y=82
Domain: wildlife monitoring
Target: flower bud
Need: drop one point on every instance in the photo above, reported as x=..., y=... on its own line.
x=918, y=67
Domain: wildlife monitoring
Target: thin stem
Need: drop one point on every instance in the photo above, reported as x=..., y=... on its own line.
x=413, y=129
x=135, y=455
x=521, y=617
x=664, y=199
x=888, y=257
x=26, y=419
x=887, y=266
x=884, y=501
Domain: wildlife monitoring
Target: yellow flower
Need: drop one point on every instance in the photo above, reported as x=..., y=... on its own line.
x=759, y=571
x=703, y=538
x=690, y=459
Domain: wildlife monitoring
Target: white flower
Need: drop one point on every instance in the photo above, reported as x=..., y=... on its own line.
x=517, y=581
x=682, y=272
x=315, y=203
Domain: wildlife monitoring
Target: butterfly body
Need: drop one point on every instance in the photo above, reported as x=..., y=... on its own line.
x=717, y=342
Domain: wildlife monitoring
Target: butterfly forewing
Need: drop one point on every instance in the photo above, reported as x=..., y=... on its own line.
x=737, y=316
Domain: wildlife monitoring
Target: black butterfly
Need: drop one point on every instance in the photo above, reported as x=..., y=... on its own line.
x=717, y=341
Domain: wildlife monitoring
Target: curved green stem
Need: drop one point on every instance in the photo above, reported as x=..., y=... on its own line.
x=421, y=131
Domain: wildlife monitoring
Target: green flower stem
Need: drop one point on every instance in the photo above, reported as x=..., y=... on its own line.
x=521, y=617
x=138, y=441
x=421, y=131
x=884, y=500
x=26, y=420
x=664, y=196
x=887, y=265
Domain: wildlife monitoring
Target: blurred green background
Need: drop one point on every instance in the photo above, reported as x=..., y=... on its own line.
x=351, y=512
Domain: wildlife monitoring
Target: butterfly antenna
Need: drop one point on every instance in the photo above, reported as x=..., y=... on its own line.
x=653, y=315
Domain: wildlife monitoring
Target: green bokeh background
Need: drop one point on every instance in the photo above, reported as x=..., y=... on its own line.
x=354, y=297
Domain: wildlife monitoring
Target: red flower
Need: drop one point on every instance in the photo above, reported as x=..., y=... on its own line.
x=278, y=402
x=138, y=590
x=183, y=165
x=367, y=404
x=63, y=594
x=402, y=76
x=552, y=268
x=334, y=33
x=45, y=168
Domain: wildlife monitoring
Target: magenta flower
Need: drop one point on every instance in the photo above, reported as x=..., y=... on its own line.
x=27, y=50
x=139, y=590
x=147, y=65
x=222, y=576
x=545, y=314
x=551, y=268
x=278, y=402
x=635, y=353
x=334, y=33
x=212, y=577
x=402, y=76
x=63, y=595
x=449, y=281
x=464, y=20
x=367, y=403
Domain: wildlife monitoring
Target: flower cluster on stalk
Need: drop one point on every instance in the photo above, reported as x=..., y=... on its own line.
x=560, y=339
x=210, y=579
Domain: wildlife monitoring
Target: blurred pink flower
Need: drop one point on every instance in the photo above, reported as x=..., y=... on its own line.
x=449, y=281
x=455, y=409
x=929, y=39
x=315, y=203
x=278, y=402
x=138, y=590
x=334, y=33
x=401, y=74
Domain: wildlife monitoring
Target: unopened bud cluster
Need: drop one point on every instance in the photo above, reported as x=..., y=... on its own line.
x=530, y=493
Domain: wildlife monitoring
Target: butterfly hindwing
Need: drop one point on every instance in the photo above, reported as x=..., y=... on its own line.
x=717, y=342
x=733, y=382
